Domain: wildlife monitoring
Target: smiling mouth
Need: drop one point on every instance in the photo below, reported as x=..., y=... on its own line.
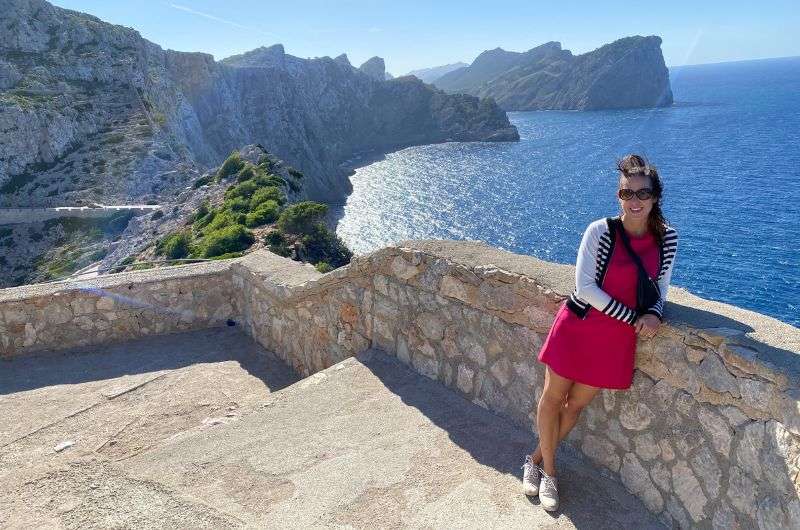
x=636, y=210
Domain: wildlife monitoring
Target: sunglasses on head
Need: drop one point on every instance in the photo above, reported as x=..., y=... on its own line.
x=643, y=194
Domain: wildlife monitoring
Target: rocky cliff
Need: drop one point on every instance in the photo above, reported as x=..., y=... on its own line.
x=629, y=72
x=93, y=111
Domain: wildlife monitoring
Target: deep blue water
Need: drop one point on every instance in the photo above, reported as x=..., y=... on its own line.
x=728, y=152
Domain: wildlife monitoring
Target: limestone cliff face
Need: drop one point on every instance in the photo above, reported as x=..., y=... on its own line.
x=93, y=111
x=629, y=72
x=375, y=68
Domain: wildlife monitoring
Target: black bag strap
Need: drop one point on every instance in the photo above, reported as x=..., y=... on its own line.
x=628, y=247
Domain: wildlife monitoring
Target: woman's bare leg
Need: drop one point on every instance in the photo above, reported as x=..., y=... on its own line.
x=548, y=414
x=578, y=397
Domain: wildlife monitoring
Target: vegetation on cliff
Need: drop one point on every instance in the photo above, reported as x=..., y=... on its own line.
x=76, y=244
x=255, y=210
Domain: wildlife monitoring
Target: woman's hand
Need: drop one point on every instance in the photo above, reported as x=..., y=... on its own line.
x=647, y=325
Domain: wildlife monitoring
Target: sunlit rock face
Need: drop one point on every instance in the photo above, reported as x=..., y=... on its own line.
x=92, y=110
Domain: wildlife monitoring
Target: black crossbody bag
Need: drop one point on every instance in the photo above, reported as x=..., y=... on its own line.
x=647, y=291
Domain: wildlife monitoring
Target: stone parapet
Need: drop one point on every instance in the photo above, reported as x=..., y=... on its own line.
x=113, y=308
x=708, y=435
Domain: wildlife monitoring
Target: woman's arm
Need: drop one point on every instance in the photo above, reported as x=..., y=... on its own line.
x=585, y=284
x=670, y=249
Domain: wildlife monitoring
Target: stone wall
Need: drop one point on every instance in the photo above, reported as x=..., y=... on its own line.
x=708, y=435
x=311, y=321
x=113, y=308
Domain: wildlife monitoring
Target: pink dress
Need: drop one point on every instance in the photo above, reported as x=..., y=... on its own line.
x=600, y=350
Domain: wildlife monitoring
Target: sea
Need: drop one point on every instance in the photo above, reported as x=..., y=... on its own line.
x=728, y=151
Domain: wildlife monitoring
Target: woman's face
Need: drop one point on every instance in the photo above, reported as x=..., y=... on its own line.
x=635, y=208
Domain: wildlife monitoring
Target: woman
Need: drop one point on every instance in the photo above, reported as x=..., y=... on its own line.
x=592, y=342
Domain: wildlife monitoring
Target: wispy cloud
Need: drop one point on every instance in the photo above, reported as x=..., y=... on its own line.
x=375, y=30
x=218, y=19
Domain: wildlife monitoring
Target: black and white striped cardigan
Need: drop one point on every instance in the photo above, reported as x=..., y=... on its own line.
x=590, y=270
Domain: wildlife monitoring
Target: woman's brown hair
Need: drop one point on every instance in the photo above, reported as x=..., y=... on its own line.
x=635, y=165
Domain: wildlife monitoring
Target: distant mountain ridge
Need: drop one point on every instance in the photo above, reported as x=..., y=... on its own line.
x=629, y=72
x=429, y=75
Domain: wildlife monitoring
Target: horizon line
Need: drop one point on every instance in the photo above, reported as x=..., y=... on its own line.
x=737, y=61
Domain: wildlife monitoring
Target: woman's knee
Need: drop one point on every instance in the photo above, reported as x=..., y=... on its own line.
x=556, y=389
x=578, y=399
x=552, y=399
x=573, y=409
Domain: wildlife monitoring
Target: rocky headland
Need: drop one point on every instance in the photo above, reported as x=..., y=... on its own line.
x=92, y=110
x=626, y=73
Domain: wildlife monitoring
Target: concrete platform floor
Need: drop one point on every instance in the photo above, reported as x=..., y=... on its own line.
x=206, y=429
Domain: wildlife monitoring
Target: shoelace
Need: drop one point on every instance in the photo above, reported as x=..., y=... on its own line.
x=549, y=484
x=528, y=461
x=534, y=473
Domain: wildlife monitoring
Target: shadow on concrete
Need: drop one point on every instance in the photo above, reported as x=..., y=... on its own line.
x=589, y=498
x=150, y=354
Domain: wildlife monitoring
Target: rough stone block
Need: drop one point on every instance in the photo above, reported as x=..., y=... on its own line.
x=717, y=428
x=688, y=490
x=707, y=468
x=637, y=480
x=713, y=373
x=601, y=451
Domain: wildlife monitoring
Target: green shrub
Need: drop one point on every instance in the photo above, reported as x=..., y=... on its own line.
x=203, y=216
x=277, y=243
x=246, y=190
x=234, y=238
x=265, y=162
x=232, y=165
x=202, y=211
x=323, y=267
x=323, y=245
x=302, y=217
x=222, y=219
x=273, y=237
x=270, y=180
x=264, y=213
x=174, y=246
x=246, y=173
x=266, y=194
x=237, y=204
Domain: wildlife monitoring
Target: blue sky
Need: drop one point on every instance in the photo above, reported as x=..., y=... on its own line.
x=418, y=34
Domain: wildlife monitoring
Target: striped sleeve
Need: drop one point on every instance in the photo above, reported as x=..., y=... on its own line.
x=665, y=274
x=585, y=277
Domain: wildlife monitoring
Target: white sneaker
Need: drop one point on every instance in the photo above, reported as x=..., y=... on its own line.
x=548, y=492
x=531, y=475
